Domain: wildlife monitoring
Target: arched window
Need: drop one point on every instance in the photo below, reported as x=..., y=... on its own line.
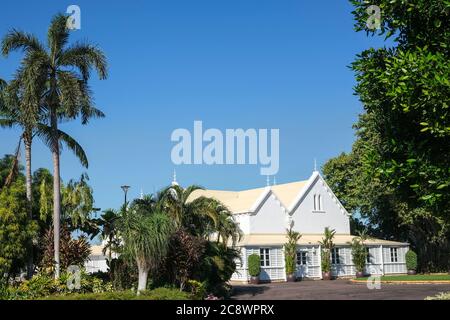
x=315, y=203
x=320, y=205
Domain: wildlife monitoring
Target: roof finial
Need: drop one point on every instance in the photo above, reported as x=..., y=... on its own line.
x=315, y=165
x=174, y=182
x=142, y=194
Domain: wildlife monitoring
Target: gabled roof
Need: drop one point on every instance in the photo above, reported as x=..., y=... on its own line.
x=249, y=200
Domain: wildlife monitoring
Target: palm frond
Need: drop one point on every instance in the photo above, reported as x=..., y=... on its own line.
x=85, y=57
x=58, y=35
x=50, y=137
x=75, y=147
x=15, y=40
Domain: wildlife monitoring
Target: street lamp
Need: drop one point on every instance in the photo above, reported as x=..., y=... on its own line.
x=125, y=189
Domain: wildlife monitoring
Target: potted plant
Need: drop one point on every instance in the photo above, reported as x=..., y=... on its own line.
x=359, y=256
x=327, y=246
x=411, y=262
x=254, y=268
x=290, y=254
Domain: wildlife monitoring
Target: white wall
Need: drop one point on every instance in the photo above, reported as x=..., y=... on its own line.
x=271, y=218
x=308, y=221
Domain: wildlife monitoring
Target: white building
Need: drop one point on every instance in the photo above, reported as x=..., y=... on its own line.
x=309, y=206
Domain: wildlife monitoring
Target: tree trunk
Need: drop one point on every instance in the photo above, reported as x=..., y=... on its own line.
x=56, y=210
x=143, y=276
x=28, y=142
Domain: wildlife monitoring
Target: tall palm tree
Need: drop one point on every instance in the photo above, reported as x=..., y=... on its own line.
x=20, y=107
x=65, y=71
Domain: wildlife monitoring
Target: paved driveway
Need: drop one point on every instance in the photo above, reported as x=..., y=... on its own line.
x=335, y=290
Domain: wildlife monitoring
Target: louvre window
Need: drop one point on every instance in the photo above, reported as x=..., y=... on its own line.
x=394, y=255
x=335, y=258
x=302, y=258
x=264, y=254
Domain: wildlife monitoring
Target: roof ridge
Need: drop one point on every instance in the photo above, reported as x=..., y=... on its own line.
x=258, y=188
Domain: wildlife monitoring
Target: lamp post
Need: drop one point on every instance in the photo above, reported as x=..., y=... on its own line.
x=125, y=189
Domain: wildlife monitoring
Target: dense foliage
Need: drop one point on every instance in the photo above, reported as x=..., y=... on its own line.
x=290, y=251
x=254, y=265
x=15, y=230
x=411, y=260
x=327, y=246
x=396, y=179
x=359, y=254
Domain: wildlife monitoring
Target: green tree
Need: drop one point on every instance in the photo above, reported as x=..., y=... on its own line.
x=109, y=224
x=15, y=229
x=400, y=171
x=65, y=71
x=196, y=215
x=145, y=233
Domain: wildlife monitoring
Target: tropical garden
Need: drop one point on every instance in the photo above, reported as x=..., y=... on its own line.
x=169, y=245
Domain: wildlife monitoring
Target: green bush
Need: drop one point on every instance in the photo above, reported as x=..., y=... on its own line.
x=411, y=260
x=290, y=251
x=254, y=265
x=156, y=294
x=359, y=255
x=197, y=289
x=326, y=260
x=43, y=285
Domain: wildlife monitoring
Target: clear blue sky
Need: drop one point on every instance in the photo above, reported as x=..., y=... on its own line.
x=230, y=63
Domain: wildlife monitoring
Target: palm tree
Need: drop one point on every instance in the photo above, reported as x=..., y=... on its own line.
x=20, y=108
x=327, y=247
x=145, y=233
x=65, y=71
x=195, y=215
x=108, y=222
x=227, y=230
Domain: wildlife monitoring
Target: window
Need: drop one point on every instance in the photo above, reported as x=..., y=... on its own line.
x=394, y=254
x=368, y=256
x=335, y=259
x=318, y=203
x=264, y=254
x=302, y=258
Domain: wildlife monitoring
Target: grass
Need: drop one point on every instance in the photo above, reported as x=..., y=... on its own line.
x=418, y=277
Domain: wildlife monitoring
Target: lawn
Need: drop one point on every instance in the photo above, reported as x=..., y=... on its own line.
x=419, y=277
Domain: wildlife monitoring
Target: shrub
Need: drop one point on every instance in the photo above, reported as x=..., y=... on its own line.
x=43, y=285
x=197, y=289
x=254, y=265
x=290, y=251
x=327, y=245
x=326, y=260
x=359, y=254
x=411, y=260
x=157, y=294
